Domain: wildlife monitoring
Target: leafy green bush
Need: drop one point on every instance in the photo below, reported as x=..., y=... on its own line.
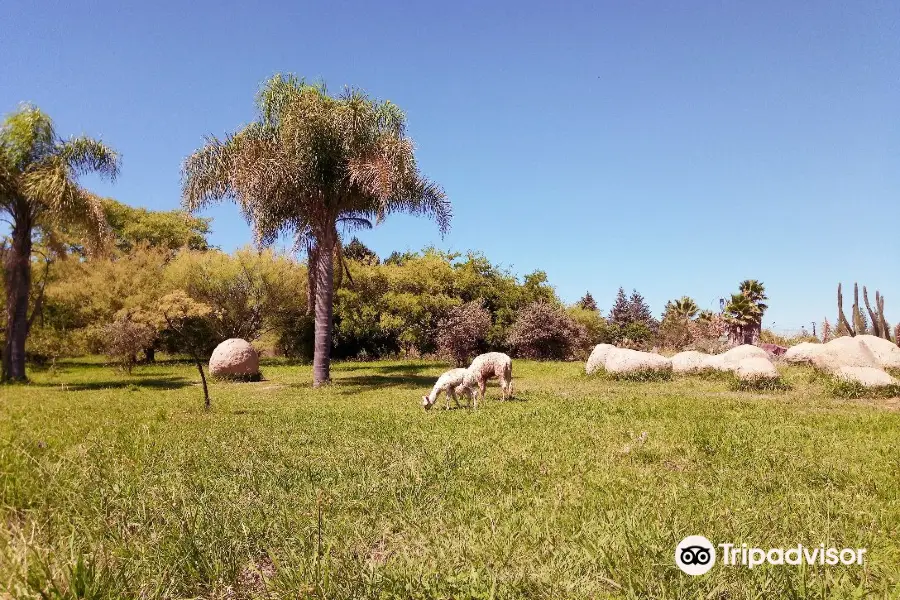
x=596, y=329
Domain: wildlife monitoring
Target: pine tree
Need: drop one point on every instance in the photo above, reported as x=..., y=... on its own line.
x=587, y=302
x=639, y=311
x=620, y=314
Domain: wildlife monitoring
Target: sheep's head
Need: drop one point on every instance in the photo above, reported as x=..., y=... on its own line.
x=426, y=402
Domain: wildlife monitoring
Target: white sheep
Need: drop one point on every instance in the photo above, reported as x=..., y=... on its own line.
x=486, y=367
x=452, y=383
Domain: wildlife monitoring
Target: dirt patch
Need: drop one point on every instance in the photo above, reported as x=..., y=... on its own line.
x=251, y=581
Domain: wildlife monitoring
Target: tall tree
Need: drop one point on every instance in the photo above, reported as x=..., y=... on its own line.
x=683, y=308
x=39, y=190
x=358, y=251
x=172, y=229
x=639, y=311
x=755, y=292
x=620, y=313
x=308, y=165
x=742, y=316
x=587, y=302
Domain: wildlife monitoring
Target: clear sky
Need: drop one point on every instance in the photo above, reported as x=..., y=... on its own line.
x=672, y=147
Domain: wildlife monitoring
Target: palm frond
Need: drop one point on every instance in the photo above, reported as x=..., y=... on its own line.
x=87, y=155
x=206, y=174
x=27, y=136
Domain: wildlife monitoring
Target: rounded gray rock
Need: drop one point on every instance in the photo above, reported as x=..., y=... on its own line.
x=234, y=358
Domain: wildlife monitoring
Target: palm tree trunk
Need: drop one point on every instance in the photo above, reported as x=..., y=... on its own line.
x=18, y=288
x=324, y=281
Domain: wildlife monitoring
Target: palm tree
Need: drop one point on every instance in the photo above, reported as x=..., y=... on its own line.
x=684, y=308
x=755, y=291
x=309, y=164
x=741, y=315
x=39, y=191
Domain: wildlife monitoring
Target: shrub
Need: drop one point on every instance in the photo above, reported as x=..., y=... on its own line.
x=124, y=339
x=545, y=331
x=674, y=332
x=595, y=327
x=769, y=337
x=462, y=332
x=49, y=344
x=636, y=336
x=295, y=336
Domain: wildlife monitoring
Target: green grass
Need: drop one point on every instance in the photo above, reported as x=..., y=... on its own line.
x=121, y=487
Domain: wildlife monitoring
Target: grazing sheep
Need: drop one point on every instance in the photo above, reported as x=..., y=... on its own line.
x=486, y=367
x=452, y=382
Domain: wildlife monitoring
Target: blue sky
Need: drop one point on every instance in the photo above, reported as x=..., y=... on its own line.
x=675, y=148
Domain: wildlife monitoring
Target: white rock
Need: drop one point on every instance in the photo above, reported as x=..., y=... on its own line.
x=597, y=359
x=867, y=376
x=756, y=367
x=886, y=352
x=622, y=361
x=804, y=352
x=689, y=361
x=729, y=360
x=234, y=357
x=845, y=352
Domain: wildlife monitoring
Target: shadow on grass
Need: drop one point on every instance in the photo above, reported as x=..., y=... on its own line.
x=153, y=383
x=386, y=369
x=383, y=381
x=99, y=364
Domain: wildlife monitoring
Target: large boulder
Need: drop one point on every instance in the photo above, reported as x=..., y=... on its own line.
x=755, y=368
x=234, y=358
x=689, y=361
x=844, y=352
x=867, y=376
x=886, y=352
x=729, y=360
x=597, y=359
x=622, y=361
x=803, y=353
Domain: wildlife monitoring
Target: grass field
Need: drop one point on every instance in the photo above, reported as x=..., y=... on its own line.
x=116, y=486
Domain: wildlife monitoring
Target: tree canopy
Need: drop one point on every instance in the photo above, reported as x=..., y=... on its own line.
x=39, y=191
x=312, y=163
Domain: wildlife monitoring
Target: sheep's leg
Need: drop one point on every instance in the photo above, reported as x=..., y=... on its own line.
x=450, y=393
x=504, y=387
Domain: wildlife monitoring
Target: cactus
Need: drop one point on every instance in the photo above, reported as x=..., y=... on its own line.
x=843, y=327
x=826, y=330
x=882, y=322
x=879, y=325
x=859, y=320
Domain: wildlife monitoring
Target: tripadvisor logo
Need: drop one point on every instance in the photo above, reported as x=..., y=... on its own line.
x=695, y=555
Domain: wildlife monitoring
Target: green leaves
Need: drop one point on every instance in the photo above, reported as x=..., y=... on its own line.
x=39, y=173
x=311, y=160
